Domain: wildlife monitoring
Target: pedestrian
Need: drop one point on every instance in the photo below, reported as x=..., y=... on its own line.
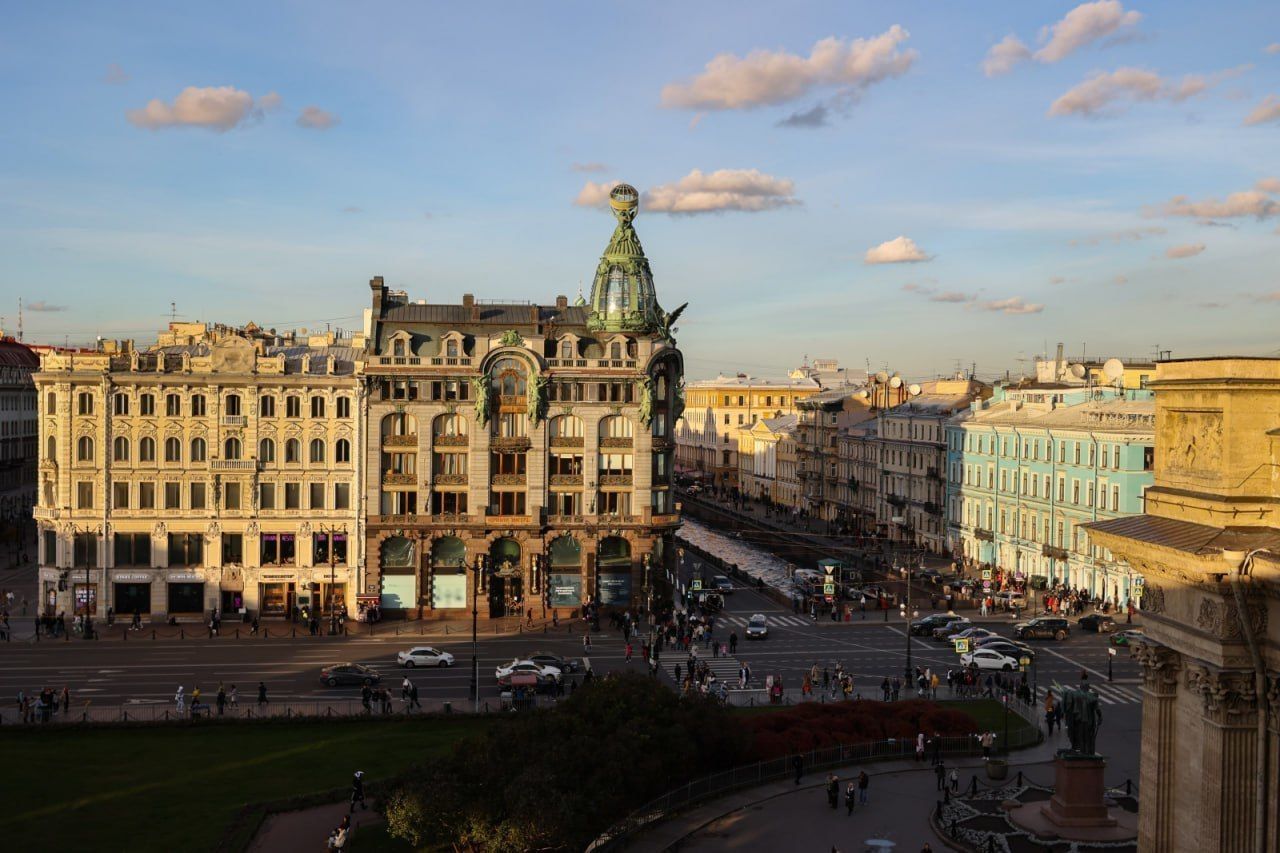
x=850, y=797
x=195, y=699
x=733, y=643
x=180, y=702
x=987, y=739
x=920, y=746
x=833, y=790
x=413, y=697
x=941, y=773
x=66, y=699
x=677, y=673
x=797, y=764
x=863, y=781
x=404, y=689
x=234, y=697
x=628, y=659
x=221, y=699
x=262, y=694
x=253, y=627
x=955, y=781
x=357, y=791
x=937, y=748
x=586, y=642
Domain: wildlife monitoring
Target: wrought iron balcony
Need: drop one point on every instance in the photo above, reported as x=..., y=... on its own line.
x=400, y=440
x=513, y=445
x=450, y=479
x=397, y=478
x=509, y=480
x=983, y=534
x=566, y=441
x=616, y=441
x=615, y=479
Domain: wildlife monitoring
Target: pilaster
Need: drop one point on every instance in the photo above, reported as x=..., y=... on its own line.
x=1161, y=667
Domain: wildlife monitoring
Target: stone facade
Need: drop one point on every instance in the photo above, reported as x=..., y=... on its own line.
x=1210, y=538
x=18, y=434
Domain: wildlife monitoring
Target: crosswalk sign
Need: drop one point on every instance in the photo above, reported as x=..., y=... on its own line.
x=697, y=584
x=986, y=574
x=828, y=589
x=962, y=645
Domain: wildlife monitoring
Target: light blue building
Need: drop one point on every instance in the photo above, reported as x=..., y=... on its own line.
x=1028, y=467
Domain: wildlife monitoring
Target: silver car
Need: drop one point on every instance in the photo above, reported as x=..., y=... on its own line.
x=757, y=627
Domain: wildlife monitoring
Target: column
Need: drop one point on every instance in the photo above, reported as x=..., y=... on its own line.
x=1229, y=757
x=1158, y=783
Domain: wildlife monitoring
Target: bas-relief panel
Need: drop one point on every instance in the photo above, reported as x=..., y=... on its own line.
x=1193, y=440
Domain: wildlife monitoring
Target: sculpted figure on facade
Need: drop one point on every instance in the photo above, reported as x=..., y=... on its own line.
x=537, y=404
x=480, y=390
x=644, y=394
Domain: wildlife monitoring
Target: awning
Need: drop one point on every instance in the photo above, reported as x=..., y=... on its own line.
x=232, y=586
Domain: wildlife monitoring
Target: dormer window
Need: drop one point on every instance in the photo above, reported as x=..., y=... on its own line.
x=397, y=348
x=451, y=349
x=566, y=349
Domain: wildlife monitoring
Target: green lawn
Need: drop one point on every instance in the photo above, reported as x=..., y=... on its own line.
x=989, y=715
x=181, y=788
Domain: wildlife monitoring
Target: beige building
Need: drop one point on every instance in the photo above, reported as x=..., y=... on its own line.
x=707, y=437
x=536, y=439
x=766, y=468
x=217, y=469
x=1208, y=547
x=823, y=419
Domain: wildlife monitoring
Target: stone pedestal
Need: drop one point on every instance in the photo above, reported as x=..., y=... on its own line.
x=1078, y=791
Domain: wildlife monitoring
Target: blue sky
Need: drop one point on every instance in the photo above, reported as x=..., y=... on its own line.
x=1079, y=189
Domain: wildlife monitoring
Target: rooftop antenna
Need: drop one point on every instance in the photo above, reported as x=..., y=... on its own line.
x=19, y=318
x=173, y=312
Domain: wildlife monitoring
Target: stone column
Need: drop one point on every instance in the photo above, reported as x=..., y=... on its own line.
x=1158, y=783
x=1229, y=757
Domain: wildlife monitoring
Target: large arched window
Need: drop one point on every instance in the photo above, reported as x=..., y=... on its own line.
x=198, y=450
x=267, y=451
x=51, y=449
x=564, y=572
x=398, y=423
x=396, y=553
x=342, y=451
x=509, y=376
x=566, y=427
x=317, y=450
x=231, y=449
x=172, y=449
x=147, y=449
x=616, y=426
x=566, y=349
x=84, y=449
x=292, y=451
x=613, y=562
x=120, y=449
x=448, y=425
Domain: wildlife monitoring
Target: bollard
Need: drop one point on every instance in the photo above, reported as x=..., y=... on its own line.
x=124, y=637
x=266, y=633
x=397, y=630
x=153, y=633
x=237, y=633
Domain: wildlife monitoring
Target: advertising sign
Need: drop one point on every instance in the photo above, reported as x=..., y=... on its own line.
x=615, y=589
x=565, y=589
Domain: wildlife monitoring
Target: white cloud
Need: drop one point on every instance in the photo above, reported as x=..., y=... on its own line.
x=1105, y=89
x=588, y=168
x=900, y=250
x=1187, y=250
x=1273, y=48
x=42, y=306
x=270, y=102
x=951, y=296
x=1255, y=202
x=1120, y=279
x=767, y=77
x=1083, y=25
x=317, y=119
x=1004, y=55
x=115, y=75
x=216, y=108
x=1012, y=305
x=1121, y=235
x=747, y=190
x=1267, y=110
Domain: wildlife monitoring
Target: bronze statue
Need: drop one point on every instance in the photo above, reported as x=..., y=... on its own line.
x=1083, y=713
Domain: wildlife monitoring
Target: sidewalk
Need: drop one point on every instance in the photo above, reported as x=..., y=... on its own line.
x=307, y=830
x=782, y=815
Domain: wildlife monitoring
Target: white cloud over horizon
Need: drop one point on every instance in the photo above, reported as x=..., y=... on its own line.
x=899, y=250
x=314, y=118
x=1256, y=202
x=1080, y=27
x=1187, y=250
x=1103, y=92
x=1267, y=111
x=216, y=108
x=742, y=190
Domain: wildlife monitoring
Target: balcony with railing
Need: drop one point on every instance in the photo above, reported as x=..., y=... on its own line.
x=616, y=441
x=402, y=440
x=399, y=360
x=566, y=480
x=623, y=363
x=233, y=465
x=896, y=501
x=933, y=474
x=509, y=480
x=615, y=480
x=233, y=420
x=44, y=513
x=566, y=362
x=983, y=534
x=932, y=508
x=450, y=479
x=510, y=445
x=451, y=361
x=1054, y=552
x=566, y=441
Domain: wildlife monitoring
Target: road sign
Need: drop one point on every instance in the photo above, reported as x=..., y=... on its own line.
x=986, y=574
x=986, y=586
x=963, y=645
x=697, y=584
x=1138, y=581
x=1025, y=661
x=828, y=589
x=1111, y=651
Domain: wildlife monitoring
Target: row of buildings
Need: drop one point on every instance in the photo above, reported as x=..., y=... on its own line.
x=515, y=455
x=1001, y=476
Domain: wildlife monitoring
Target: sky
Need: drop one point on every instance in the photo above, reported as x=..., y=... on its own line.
x=913, y=185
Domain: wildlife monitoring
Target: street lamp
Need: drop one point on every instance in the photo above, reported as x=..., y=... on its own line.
x=908, y=615
x=332, y=531
x=76, y=532
x=483, y=568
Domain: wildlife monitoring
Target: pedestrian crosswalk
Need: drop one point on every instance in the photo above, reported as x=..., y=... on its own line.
x=773, y=621
x=1110, y=693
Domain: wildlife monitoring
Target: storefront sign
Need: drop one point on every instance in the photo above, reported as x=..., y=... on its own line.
x=565, y=589
x=184, y=577
x=125, y=577
x=277, y=577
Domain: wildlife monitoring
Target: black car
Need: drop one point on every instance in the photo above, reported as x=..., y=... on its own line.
x=337, y=674
x=1043, y=628
x=924, y=627
x=1097, y=623
x=552, y=659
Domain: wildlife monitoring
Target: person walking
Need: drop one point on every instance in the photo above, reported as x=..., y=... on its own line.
x=987, y=740
x=733, y=643
x=955, y=781
x=863, y=781
x=920, y=746
x=357, y=791
x=221, y=699
x=66, y=699
x=850, y=797
x=262, y=694
x=234, y=697
x=941, y=773
x=797, y=764
x=413, y=698
x=180, y=702
x=833, y=790
x=937, y=748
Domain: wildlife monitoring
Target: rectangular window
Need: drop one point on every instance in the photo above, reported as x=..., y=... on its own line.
x=132, y=549
x=448, y=503
x=267, y=495
x=1088, y=501
x=1148, y=458
x=1102, y=496
x=278, y=549
x=1076, y=452
x=173, y=495
x=317, y=496
x=84, y=495
x=1115, y=458
x=172, y=405
x=119, y=495
x=197, y=496
x=186, y=549
x=147, y=405
x=1115, y=498
x=197, y=406
x=342, y=496
x=1062, y=488
x=1075, y=492
x=85, y=551
x=146, y=496
x=293, y=496
x=232, y=495
x=344, y=406
x=1106, y=457
x=232, y=549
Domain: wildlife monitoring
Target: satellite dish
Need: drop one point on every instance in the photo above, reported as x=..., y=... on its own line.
x=1078, y=371
x=913, y=390
x=895, y=382
x=1113, y=369
x=882, y=378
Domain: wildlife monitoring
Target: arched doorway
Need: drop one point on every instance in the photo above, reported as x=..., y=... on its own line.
x=448, y=574
x=564, y=577
x=506, y=585
x=613, y=565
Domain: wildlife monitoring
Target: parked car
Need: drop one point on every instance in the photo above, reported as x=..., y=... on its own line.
x=873, y=592
x=757, y=627
x=423, y=656
x=552, y=659
x=1004, y=641
x=929, y=575
x=340, y=674
x=973, y=632
x=1097, y=623
x=1043, y=628
x=722, y=585
x=924, y=627
x=544, y=674
x=1010, y=600
x=1010, y=648
x=955, y=626
x=989, y=659
x=1126, y=637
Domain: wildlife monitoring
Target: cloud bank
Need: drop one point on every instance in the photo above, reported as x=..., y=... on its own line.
x=745, y=190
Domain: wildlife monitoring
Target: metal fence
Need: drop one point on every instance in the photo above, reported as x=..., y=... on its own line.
x=762, y=772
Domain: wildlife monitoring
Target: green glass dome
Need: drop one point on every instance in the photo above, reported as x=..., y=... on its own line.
x=622, y=294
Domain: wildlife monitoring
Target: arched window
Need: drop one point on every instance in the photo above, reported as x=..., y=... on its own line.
x=267, y=406
x=509, y=377
x=172, y=450
x=566, y=426
x=231, y=449
x=448, y=425
x=616, y=426
x=398, y=423
x=147, y=450
x=51, y=449
x=233, y=404
x=84, y=449
x=266, y=451
x=566, y=349
x=617, y=298
x=292, y=451
x=317, y=450
x=198, y=449
x=342, y=451
x=120, y=449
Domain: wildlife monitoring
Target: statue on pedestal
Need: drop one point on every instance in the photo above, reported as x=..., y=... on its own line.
x=1083, y=713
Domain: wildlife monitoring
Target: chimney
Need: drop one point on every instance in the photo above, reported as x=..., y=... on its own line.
x=468, y=300
x=562, y=302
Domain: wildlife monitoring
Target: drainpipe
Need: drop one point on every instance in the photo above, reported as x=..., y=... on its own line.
x=1237, y=560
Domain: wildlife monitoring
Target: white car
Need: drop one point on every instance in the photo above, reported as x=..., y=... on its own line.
x=544, y=674
x=423, y=656
x=989, y=659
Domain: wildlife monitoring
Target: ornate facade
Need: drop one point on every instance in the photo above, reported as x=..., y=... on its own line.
x=17, y=434
x=217, y=469
x=537, y=440
x=1208, y=547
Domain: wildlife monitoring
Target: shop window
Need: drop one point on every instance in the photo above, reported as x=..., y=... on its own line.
x=267, y=495
x=278, y=549
x=186, y=598
x=327, y=546
x=186, y=549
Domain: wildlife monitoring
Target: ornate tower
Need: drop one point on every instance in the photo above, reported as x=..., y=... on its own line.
x=622, y=295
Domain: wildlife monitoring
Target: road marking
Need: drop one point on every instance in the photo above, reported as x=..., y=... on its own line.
x=1100, y=675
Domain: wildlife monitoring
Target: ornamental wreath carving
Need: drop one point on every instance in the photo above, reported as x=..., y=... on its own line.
x=1153, y=598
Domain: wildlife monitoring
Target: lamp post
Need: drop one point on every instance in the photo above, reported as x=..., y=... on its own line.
x=76, y=532
x=482, y=568
x=331, y=531
x=908, y=615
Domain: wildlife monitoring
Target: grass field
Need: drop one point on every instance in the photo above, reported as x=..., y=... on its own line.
x=177, y=788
